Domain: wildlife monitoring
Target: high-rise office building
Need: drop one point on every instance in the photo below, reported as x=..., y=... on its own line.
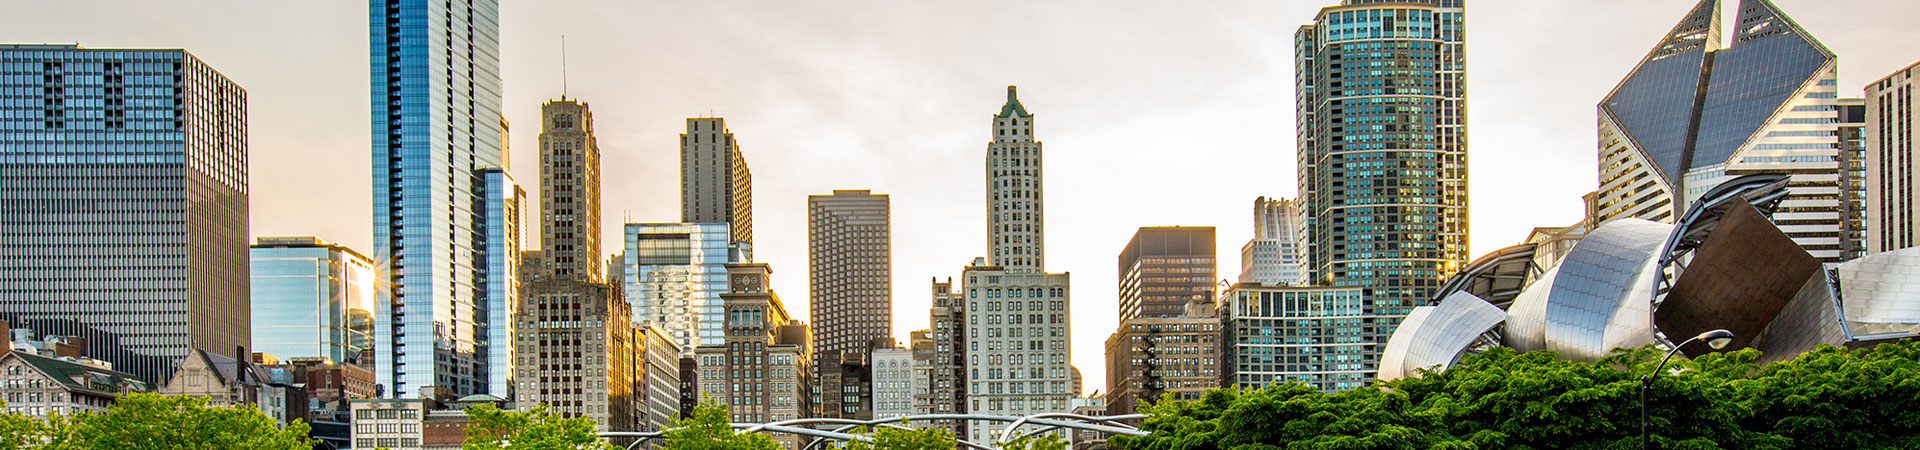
x=942, y=349
x=1384, y=152
x=577, y=345
x=1017, y=354
x=437, y=127
x=312, y=299
x=570, y=191
x=715, y=185
x=1277, y=254
x=1283, y=334
x=760, y=369
x=1853, y=177
x=673, y=276
x=1148, y=357
x=1165, y=268
x=893, y=382
x=1016, y=327
x=502, y=227
x=850, y=273
x=123, y=219
x=1695, y=113
x=1015, y=194
x=1891, y=116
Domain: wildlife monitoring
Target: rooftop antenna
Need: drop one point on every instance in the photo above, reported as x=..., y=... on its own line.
x=563, y=67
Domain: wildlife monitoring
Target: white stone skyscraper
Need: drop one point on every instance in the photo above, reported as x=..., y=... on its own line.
x=1017, y=357
x=1014, y=191
x=1277, y=254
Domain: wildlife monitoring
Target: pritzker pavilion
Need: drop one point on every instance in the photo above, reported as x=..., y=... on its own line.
x=1630, y=282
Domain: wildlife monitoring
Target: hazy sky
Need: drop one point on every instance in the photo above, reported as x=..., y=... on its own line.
x=1153, y=113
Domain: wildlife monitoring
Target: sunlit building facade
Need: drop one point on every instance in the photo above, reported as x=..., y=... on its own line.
x=1891, y=116
x=1382, y=88
x=437, y=127
x=715, y=185
x=673, y=276
x=312, y=298
x=1283, y=334
x=1277, y=254
x=1700, y=109
x=123, y=216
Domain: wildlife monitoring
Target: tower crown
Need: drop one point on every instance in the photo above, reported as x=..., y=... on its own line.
x=1013, y=107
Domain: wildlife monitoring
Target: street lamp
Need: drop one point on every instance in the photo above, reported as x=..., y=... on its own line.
x=1718, y=339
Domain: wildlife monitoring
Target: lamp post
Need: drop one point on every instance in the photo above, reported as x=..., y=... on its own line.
x=1717, y=339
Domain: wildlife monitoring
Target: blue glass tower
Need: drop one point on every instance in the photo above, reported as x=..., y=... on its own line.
x=1382, y=97
x=436, y=125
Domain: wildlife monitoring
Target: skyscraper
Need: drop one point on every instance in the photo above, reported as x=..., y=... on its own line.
x=1384, y=151
x=1695, y=113
x=571, y=319
x=674, y=275
x=312, y=299
x=715, y=185
x=1017, y=354
x=1015, y=197
x=1891, y=116
x=436, y=126
x=1165, y=268
x=850, y=273
x=570, y=191
x=1277, y=254
x=123, y=219
x=1853, y=177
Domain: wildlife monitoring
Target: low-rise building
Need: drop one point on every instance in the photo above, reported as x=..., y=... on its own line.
x=1281, y=334
x=1149, y=358
x=39, y=386
x=893, y=382
x=225, y=381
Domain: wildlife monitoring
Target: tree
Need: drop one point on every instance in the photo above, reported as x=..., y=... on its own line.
x=158, y=422
x=890, y=438
x=1827, y=398
x=535, y=429
x=710, y=429
x=1035, y=441
x=18, y=431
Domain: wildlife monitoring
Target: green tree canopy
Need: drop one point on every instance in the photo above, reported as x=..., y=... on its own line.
x=158, y=422
x=1828, y=398
x=890, y=438
x=710, y=429
x=535, y=429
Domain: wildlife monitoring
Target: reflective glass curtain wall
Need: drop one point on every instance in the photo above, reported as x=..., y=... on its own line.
x=1383, y=138
x=436, y=123
x=123, y=202
x=312, y=299
x=673, y=276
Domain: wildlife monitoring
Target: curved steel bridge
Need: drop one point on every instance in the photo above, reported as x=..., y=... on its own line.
x=825, y=430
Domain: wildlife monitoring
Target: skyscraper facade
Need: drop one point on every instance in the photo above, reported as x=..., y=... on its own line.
x=1277, y=254
x=1017, y=352
x=1695, y=113
x=715, y=185
x=1015, y=193
x=123, y=219
x=674, y=275
x=760, y=370
x=570, y=191
x=1383, y=137
x=436, y=99
x=1163, y=269
x=312, y=299
x=1853, y=177
x=1891, y=116
x=580, y=354
x=502, y=224
x=1283, y=334
x=850, y=273
x=942, y=349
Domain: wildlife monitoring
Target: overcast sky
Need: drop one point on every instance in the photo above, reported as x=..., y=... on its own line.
x=1153, y=113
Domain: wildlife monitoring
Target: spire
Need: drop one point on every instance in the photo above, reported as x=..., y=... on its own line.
x=1013, y=107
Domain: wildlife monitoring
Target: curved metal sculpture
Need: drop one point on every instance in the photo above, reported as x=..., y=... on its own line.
x=1045, y=421
x=1435, y=336
x=1496, y=278
x=1764, y=191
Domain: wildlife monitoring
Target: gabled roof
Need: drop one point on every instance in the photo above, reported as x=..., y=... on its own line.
x=66, y=373
x=1013, y=107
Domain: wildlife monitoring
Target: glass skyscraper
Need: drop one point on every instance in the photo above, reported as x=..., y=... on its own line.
x=123, y=203
x=436, y=94
x=1382, y=130
x=1696, y=112
x=673, y=276
x=312, y=299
